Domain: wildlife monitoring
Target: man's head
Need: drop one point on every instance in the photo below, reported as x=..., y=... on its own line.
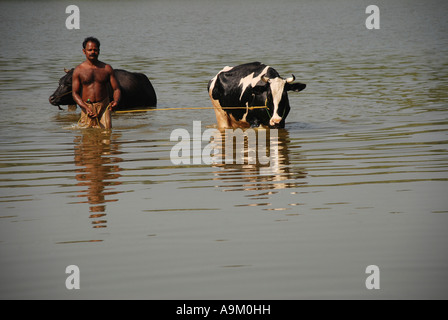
x=91, y=48
x=91, y=39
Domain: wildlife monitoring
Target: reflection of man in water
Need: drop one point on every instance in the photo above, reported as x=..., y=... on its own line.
x=97, y=170
x=90, y=87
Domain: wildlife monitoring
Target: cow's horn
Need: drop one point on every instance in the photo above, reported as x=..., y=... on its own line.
x=265, y=79
x=66, y=70
x=291, y=79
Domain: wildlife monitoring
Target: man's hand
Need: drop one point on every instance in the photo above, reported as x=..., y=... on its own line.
x=89, y=111
x=113, y=104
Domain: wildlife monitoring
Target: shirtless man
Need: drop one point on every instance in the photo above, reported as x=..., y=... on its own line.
x=90, y=87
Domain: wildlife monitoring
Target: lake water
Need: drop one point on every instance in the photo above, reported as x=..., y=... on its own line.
x=359, y=176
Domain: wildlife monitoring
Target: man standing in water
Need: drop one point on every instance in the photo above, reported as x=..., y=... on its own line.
x=91, y=80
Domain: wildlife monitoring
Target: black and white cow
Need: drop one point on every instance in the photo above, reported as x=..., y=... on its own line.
x=234, y=90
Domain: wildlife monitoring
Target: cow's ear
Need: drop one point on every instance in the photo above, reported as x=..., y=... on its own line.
x=297, y=87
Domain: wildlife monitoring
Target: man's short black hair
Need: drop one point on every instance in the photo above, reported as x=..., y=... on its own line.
x=91, y=39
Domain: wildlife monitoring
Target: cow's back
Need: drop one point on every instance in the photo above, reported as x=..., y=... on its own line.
x=137, y=90
x=233, y=86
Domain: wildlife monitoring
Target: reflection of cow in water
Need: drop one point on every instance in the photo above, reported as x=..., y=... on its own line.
x=275, y=172
x=136, y=90
x=234, y=90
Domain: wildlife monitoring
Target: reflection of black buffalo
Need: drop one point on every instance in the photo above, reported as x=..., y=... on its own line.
x=136, y=90
x=247, y=85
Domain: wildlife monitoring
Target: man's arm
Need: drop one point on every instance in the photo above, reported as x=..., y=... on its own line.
x=115, y=87
x=76, y=93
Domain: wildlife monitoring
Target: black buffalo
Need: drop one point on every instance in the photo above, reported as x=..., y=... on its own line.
x=136, y=90
x=234, y=90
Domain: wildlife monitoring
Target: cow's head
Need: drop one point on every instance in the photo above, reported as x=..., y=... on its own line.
x=63, y=94
x=276, y=93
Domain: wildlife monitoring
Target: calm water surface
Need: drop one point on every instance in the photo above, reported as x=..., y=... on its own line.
x=359, y=176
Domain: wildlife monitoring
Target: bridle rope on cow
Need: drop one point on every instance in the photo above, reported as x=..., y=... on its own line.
x=192, y=108
x=57, y=97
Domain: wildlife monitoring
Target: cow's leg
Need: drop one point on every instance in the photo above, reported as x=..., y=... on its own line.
x=222, y=118
x=247, y=111
x=235, y=124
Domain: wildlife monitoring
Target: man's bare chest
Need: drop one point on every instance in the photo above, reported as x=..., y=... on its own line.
x=91, y=76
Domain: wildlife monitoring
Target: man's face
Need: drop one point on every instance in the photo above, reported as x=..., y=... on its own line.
x=91, y=51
